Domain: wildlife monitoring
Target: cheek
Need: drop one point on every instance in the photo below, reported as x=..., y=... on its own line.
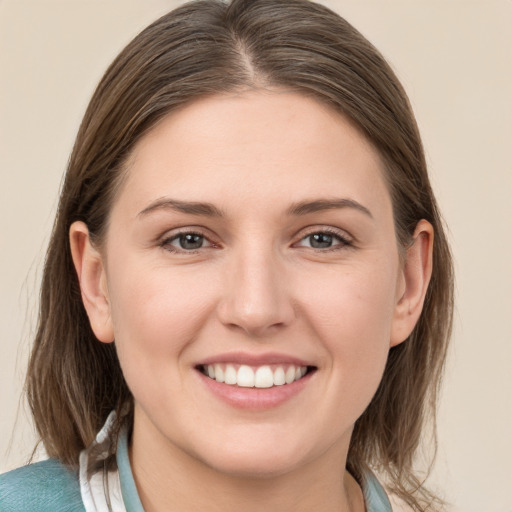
x=156, y=315
x=352, y=314
x=155, y=312
x=359, y=300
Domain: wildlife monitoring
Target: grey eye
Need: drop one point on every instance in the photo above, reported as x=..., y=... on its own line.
x=324, y=240
x=189, y=241
x=320, y=240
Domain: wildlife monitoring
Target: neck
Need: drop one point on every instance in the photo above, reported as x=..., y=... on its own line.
x=171, y=479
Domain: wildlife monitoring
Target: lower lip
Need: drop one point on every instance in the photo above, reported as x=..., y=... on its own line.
x=255, y=398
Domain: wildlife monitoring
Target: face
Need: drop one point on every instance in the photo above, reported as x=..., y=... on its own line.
x=251, y=278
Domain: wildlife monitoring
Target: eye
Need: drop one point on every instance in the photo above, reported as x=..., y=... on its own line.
x=324, y=240
x=186, y=242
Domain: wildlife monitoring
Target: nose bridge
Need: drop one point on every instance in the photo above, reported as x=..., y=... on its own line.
x=256, y=297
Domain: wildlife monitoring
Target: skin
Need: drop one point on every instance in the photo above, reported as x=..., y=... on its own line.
x=256, y=285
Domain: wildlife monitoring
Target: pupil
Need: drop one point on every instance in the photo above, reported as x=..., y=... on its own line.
x=320, y=240
x=191, y=241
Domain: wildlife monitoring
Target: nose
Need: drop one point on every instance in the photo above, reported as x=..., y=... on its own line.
x=256, y=297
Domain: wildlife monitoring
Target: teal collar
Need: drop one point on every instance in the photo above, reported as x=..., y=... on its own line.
x=129, y=490
x=375, y=496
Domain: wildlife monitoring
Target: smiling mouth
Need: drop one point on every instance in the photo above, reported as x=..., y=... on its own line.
x=265, y=376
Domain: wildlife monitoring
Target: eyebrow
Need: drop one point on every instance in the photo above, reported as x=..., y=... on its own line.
x=210, y=210
x=190, y=207
x=305, y=207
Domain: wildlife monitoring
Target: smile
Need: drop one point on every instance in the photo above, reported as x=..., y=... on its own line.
x=245, y=376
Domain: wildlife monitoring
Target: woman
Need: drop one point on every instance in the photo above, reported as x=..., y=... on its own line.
x=248, y=291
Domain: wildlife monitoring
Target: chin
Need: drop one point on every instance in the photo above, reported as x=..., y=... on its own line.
x=254, y=462
x=255, y=467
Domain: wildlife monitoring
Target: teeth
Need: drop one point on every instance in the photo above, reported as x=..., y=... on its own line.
x=218, y=373
x=279, y=378
x=290, y=375
x=245, y=377
x=230, y=374
x=248, y=377
x=263, y=377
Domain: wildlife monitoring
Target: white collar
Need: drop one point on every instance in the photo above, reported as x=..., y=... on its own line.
x=100, y=489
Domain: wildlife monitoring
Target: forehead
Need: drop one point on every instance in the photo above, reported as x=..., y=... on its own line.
x=254, y=148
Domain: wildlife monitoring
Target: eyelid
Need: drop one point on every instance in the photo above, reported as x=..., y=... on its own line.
x=345, y=238
x=165, y=240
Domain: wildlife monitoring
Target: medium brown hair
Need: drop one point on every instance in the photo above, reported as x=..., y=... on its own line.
x=204, y=48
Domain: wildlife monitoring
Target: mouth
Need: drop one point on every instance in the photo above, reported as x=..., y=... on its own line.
x=261, y=377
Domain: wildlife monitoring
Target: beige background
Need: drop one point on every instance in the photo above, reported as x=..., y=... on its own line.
x=455, y=59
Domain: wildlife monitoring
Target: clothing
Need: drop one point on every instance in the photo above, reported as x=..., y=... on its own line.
x=49, y=486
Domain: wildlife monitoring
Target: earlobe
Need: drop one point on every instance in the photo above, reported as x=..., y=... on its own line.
x=91, y=274
x=414, y=279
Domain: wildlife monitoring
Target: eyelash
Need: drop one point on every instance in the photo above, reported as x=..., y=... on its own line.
x=344, y=241
x=167, y=241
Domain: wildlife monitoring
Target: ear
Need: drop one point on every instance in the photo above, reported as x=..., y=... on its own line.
x=413, y=282
x=90, y=269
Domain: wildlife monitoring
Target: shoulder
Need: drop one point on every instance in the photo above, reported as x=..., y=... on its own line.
x=43, y=487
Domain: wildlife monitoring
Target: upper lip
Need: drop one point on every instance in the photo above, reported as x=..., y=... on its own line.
x=254, y=359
